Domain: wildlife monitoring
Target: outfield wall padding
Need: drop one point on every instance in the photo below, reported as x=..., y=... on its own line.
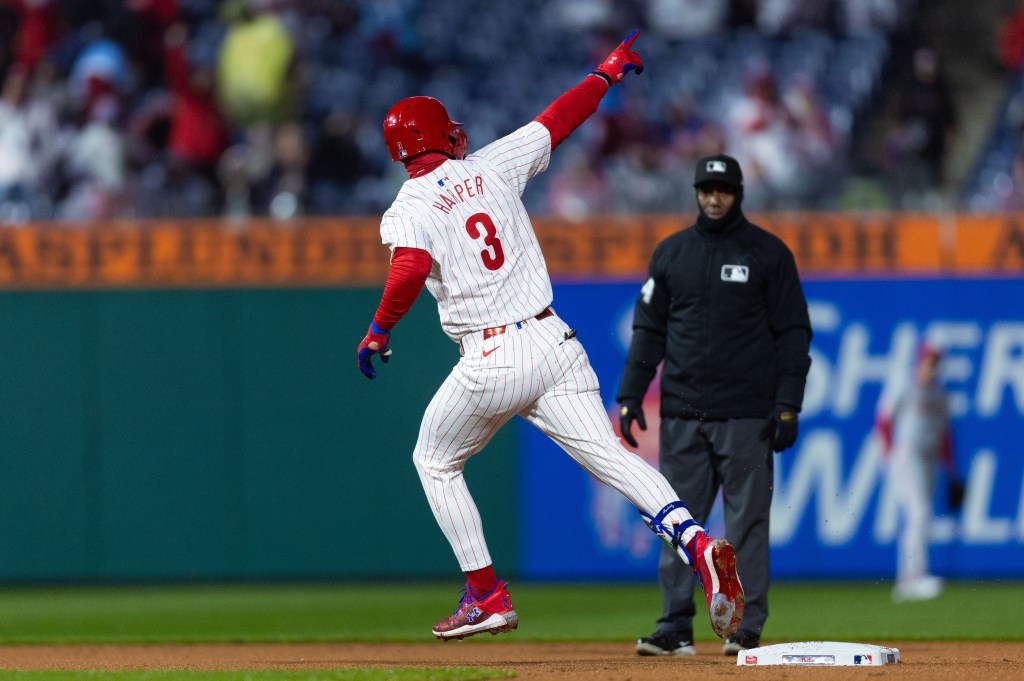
x=221, y=434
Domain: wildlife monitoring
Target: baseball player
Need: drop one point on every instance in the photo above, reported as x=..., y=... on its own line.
x=913, y=424
x=459, y=227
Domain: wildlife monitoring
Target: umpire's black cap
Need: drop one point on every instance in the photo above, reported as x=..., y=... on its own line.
x=720, y=168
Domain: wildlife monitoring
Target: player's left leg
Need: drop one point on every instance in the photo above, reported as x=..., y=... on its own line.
x=453, y=429
x=449, y=435
x=465, y=413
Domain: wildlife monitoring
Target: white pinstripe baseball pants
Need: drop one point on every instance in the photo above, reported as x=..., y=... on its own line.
x=530, y=370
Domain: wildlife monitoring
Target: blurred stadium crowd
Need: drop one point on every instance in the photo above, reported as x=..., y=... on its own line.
x=187, y=108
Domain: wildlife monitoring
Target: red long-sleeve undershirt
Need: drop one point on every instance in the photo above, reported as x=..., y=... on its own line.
x=566, y=113
x=411, y=266
x=406, y=278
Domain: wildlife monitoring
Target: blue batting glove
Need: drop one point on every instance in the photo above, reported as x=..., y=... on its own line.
x=377, y=341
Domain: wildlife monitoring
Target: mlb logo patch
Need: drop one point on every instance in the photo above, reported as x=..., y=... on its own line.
x=736, y=273
x=862, y=659
x=716, y=166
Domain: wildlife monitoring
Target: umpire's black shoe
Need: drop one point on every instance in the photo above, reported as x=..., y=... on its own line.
x=741, y=640
x=666, y=643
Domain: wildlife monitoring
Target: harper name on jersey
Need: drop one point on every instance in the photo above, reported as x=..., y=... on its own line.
x=456, y=193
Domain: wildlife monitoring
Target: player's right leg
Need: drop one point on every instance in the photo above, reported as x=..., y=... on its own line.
x=913, y=578
x=571, y=413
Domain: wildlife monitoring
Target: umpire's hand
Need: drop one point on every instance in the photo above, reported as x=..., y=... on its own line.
x=629, y=412
x=781, y=428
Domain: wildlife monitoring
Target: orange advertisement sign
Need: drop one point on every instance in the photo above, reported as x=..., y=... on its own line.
x=348, y=251
x=193, y=254
x=824, y=244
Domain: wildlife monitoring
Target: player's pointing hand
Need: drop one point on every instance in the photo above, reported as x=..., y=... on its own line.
x=621, y=61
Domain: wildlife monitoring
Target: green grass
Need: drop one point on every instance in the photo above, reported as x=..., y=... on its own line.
x=452, y=674
x=404, y=612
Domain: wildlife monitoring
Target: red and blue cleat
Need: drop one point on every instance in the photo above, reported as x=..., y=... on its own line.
x=714, y=561
x=493, y=613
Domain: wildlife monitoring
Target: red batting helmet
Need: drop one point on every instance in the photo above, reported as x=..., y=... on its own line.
x=419, y=124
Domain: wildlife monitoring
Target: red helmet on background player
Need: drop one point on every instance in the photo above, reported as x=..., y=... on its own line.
x=419, y=124
x=929, y=352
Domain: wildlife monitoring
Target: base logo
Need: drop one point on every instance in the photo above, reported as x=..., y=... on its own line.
x=751, y=659
x=862, y=659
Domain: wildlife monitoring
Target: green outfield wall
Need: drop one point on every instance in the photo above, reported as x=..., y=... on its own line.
x=179, y=398
x=152, y=435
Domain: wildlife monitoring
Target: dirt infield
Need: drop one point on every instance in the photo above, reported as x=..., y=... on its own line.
x=932, y=661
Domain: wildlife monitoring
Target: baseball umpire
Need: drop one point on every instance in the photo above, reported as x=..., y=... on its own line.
x=724, y=310
x=459, y=227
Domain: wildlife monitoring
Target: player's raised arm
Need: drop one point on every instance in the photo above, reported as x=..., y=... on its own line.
x=567, y=112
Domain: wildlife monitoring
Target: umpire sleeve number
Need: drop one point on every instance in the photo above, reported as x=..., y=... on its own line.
x=492, y=256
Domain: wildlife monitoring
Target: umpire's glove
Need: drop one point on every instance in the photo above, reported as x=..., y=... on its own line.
x=377, y=340
x=781, y=428
x=629, y=412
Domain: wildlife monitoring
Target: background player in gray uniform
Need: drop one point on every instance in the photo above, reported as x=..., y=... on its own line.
x=914, y=426
x=459, y=227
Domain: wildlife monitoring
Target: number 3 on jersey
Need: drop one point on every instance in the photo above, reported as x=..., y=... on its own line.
x=492, y=256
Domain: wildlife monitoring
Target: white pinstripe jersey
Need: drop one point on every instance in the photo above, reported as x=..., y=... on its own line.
x=488, y=268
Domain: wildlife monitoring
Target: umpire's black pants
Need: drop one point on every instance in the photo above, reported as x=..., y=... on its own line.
x=698, y=458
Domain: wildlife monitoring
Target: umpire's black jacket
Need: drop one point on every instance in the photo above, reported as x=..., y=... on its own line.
x=723, y=306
